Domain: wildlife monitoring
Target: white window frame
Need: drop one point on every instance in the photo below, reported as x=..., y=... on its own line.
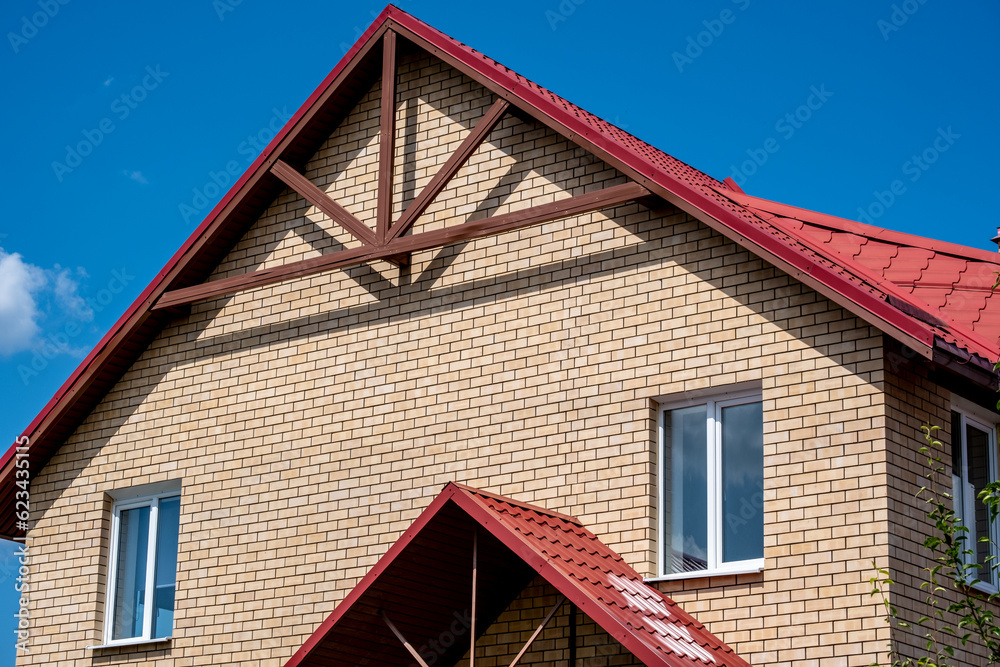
x=153, y=502
x=973, y=415
x=713, y=410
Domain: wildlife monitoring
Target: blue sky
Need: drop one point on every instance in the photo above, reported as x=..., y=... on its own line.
x=830, y=106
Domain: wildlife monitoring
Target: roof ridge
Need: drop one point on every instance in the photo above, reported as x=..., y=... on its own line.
x=517, y=503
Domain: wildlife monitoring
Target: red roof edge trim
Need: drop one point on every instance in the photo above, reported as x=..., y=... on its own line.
x=199, y=231
x=828, y=282
x=966, y=364
x=732, y=185
x=901, y=300
x=567, y=584
x=916, y=311
x=575, y=593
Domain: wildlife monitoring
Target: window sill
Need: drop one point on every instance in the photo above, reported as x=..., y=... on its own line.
x=754, y=568
x=130, y=644
x=983, y=588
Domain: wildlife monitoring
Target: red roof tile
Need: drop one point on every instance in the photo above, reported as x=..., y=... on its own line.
x=846, y=244
x=944, y=271
x=876, y=255
x=556, y=547
x=951, y=283
x=907, y=264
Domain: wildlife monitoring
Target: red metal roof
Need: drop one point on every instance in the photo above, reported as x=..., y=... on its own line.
x=951, y=284
x=423, y=584
x=944, y=313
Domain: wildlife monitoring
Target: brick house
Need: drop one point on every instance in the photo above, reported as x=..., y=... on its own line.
x=516, y=346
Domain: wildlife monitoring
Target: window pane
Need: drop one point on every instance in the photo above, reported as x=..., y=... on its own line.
x=978, y=446
x=685, y=451
x=130, y=574
x=742, y=482
x=167, y=529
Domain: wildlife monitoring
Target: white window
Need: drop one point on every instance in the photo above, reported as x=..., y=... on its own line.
x=143, y=568
x=711, y=486
x=974, y=465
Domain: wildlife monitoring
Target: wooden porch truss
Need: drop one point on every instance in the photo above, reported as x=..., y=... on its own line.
x=387, y=242
x=473, y=613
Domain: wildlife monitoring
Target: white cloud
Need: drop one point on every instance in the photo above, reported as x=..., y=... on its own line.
x=67, y=296
x=19, y=283
x=33, y=299
x=136, y=176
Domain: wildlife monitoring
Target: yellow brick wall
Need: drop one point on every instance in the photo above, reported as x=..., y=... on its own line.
x=312, y=421
x=914, y=399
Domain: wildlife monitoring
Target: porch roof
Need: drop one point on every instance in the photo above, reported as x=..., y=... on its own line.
x=423, y=584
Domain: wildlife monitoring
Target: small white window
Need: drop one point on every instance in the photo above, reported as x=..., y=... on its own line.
x=711, y=487
x=974, y=465
x=143, y=569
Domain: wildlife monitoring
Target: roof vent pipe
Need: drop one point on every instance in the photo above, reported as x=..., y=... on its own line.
x=996, y=239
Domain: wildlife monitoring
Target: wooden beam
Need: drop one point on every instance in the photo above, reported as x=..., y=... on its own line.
x=323, y=202
x=572, y=635
x=474, y=140
x=538, y=631
x=498, y=224
x=472, y=616
x=402, y=639
x=387, y=137
x=263, y=277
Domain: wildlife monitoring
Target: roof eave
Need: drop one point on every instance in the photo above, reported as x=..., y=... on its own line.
x=965, y=364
